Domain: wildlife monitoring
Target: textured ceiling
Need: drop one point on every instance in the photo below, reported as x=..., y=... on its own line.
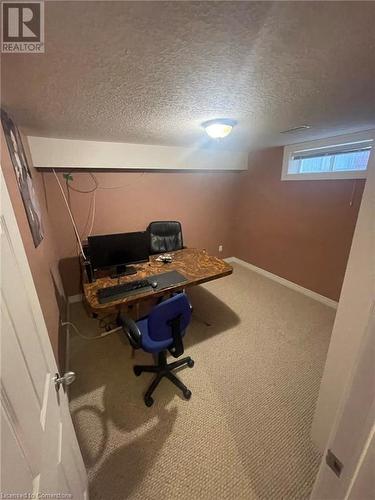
x=152, y=72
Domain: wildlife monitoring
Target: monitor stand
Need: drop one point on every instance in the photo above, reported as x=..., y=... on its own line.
x=124, y=271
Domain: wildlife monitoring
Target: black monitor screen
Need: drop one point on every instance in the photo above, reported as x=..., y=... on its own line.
x=110, y=250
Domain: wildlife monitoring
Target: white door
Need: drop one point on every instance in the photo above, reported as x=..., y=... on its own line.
x=39, y=450
x=348, y=465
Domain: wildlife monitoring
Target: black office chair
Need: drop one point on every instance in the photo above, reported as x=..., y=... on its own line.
x=165, y=236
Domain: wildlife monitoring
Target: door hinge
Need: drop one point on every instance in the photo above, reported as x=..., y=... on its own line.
x=334, y=463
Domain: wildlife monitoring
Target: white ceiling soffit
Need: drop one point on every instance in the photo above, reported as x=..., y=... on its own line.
x=152, y=72
x=67, y=153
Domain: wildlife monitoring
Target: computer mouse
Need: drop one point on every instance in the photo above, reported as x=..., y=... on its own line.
x=154, y=284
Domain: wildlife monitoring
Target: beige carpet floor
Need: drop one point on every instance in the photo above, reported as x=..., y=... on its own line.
x=259, y=351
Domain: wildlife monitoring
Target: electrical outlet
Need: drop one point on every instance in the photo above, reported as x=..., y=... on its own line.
x=220, y=248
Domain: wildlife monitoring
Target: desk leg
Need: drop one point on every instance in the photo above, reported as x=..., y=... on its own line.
x=132, y=310
x=133, y=313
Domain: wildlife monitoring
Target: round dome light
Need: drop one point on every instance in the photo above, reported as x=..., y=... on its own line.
x=220, y=128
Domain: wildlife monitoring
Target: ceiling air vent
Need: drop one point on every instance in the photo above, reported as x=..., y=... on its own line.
x=295, y=129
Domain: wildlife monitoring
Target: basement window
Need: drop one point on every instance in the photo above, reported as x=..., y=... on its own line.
x=343, y=157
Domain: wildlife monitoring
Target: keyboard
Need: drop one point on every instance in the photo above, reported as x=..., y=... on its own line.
x=123, y=290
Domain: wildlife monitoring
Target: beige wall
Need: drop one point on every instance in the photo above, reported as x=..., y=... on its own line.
x=43, y=259
x=299, y=230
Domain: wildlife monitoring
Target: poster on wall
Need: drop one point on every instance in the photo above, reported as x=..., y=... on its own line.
x=23, y=176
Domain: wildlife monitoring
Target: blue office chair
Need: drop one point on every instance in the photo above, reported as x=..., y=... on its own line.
x=162, y=330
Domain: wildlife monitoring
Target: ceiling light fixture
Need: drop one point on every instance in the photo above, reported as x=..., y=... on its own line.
x=219, y=128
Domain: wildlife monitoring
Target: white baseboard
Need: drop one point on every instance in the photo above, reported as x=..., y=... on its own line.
x=287, y=283
x=72, y=299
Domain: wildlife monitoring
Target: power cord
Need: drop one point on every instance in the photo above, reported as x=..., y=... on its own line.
x=70, y=214
x=85, y=337
x=93, y=191
x=107, y=324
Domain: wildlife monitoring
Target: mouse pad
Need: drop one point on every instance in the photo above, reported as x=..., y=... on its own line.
x=166, y=280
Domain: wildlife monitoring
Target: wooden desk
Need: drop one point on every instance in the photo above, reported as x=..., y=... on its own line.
x=196, y=265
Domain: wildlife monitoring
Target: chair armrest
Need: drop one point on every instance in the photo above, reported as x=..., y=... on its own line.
x=131, y=330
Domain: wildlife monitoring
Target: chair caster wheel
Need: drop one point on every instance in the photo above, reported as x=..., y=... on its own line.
x=149, y=401
x=190, y=363
x=136, y=371
x=187, y=394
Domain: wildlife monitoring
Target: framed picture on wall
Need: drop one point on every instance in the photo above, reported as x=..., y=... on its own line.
x=23, y=176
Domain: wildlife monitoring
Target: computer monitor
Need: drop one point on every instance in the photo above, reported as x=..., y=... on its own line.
x=118, y=250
